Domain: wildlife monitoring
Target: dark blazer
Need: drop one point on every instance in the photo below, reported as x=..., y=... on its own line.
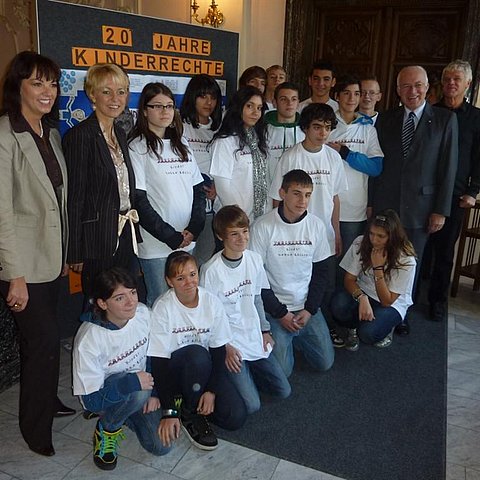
x=422, y=183
x=94, y=201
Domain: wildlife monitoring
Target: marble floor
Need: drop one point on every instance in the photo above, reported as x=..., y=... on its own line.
x=72, y=436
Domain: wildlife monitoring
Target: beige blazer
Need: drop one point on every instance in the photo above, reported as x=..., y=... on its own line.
x=33, y=223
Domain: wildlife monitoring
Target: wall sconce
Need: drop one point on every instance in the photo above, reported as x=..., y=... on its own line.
x=214, y=16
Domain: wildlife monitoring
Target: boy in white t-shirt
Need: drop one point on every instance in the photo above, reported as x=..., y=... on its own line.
x=237, y=276
x=325, y=167
x=294, y=248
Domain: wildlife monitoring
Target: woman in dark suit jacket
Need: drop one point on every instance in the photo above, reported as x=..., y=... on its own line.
x=101, y=180
x=33, y=236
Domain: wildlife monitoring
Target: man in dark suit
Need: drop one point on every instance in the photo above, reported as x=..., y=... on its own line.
x=420, y=144
x=456, y=80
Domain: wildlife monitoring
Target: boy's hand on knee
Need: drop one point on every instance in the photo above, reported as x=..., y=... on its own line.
x=289, y=323
x=168, y=430
x=233, y=359
x=151, y=405
x=302, y=318
x=206, y=404
x=146, y=380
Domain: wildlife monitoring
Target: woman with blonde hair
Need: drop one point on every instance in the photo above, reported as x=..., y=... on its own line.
x=101, y=180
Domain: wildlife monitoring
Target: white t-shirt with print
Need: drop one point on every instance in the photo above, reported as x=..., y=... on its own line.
x=175, y=326
x=328, y=175
x=401, y=280
x=236, y=288
x=198, y=139
x=236, y=166
x=99, y=352
x=169, y=184
x=360, y=138
x=288, y=251
x=280, y=139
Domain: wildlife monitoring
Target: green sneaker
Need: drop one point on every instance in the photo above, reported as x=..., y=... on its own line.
x=105, y=447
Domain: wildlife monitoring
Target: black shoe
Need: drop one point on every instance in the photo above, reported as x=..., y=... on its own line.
x=63, y=410
x=403, y=329
x=88, y=415
x=105, y=446
x=45, y=451
x=438, y=311
x=198, y=431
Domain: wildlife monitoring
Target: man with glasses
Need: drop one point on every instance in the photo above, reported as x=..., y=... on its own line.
x=370, y=94
x=420, y=144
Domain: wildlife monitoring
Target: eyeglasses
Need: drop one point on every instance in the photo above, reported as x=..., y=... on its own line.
x=370, y=93
x=158, y=106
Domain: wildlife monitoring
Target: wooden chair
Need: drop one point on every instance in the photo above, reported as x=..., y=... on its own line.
x=468, y=255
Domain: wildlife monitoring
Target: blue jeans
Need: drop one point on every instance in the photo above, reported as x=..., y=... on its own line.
x=345, y=312
x=192, y=370
x=130, y=413
x=313, y=341
x=265, y=375
x=154, y=276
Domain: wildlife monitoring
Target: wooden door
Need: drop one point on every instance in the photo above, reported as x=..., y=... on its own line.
x=375, y=37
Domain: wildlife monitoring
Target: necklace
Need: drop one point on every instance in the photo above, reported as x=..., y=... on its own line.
x=41, y=129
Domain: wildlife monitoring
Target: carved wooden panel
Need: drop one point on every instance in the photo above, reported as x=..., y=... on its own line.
x=381, y=36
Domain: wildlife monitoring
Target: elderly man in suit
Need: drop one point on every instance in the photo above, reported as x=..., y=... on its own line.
x=420, y=144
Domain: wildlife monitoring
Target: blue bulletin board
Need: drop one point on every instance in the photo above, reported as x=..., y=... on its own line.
x=149, y=49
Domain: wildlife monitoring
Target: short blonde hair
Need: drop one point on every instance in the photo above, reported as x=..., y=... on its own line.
x=97, y=74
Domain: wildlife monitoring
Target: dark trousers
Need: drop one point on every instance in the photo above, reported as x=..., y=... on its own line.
x=40, y=361
x=191, y=368
x=418, y=237
x=123, y=257
x=442, y=245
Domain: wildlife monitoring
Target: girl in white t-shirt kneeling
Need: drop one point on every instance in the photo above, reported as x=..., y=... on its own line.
x=189, y=332
x=379, y=273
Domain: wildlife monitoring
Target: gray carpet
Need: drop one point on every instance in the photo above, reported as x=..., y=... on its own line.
x=377, y=414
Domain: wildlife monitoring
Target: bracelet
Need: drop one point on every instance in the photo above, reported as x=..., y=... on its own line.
x=170, y=413
x=357, y=294
x=379, y=267
x=267, y=331
x=377, y=279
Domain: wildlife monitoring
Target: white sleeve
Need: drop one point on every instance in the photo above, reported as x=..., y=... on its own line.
x=280, y=170
x=223, y=158
x=351, y=261
x=373, y=145
x=87, y=372
x=340, y=183
x=401, y=280
x=139, y=164
x=322, y=249
x=221, y=333
x=160, y=337
x=196, y=174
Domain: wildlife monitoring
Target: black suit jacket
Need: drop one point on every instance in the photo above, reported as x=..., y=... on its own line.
x=422, y=183
x=93, y=201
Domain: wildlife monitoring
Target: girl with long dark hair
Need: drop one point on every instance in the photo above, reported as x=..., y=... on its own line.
x=169, y=194
x=239, y=152
x=201, y=113
x=379, y=272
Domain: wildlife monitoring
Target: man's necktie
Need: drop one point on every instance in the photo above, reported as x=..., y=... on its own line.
x=407, y=133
